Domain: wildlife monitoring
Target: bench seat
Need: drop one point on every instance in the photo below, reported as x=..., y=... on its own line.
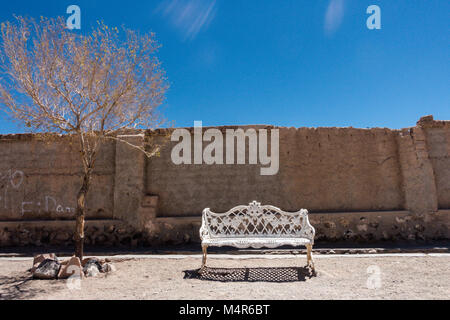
x=256, y=242
x=256, y=226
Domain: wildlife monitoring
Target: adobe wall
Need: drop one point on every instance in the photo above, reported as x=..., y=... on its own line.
x=358, y=184
x=438, y=144
x=39, y=180
x=322, y=169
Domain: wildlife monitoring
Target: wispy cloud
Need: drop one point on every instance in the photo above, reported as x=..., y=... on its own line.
x=334, y=16
x=188, y=16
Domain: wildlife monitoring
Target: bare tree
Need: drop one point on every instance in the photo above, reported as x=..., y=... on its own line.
x=87, y=86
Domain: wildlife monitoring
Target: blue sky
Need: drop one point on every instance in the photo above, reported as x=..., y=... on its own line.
x=288, y=63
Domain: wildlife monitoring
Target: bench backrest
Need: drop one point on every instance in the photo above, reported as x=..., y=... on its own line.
x=256, y=221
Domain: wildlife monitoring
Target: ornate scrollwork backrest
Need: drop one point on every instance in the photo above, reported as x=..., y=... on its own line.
x=256, y=221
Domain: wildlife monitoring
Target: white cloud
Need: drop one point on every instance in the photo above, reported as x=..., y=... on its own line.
x=334, y=16
x=188, y=16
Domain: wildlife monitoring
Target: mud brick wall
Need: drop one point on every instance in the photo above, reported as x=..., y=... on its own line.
x=40, y=180
x=358, y=184
x=322, y=169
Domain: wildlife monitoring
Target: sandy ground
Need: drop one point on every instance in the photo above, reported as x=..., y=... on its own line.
x=339, y=277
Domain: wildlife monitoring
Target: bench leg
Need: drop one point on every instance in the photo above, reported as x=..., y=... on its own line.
x=205, y=253
x=309, y=257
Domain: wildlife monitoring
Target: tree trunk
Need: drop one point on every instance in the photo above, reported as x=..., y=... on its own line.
x=80, y=214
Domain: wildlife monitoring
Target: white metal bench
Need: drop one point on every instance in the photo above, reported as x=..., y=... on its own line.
x=256, y=226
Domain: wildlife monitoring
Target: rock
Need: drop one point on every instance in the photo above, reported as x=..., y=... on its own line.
x=62, y=236
x=108, y=267
x=329, y=225
x=373, y=225
x=91, y=267
x=100, y=239
x=47, y=269
x=348, y=234
x=71, y=267
x=91, y=271
x=41, y=257
x=121, y=231
x=419, y=227
x=362, y=227
x=87, y=261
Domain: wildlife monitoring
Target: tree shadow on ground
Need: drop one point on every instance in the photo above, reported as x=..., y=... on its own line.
x=17, y=287
x=285, y=274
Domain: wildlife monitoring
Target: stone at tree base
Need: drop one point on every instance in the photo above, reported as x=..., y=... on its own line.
x=91, y=267
x=71, y=267
x=47, y=269
x=92, y=260
x=108, y=267
x=91, y=270
x=41, y=257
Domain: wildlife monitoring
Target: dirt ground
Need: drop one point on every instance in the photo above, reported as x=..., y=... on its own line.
x=339, y=277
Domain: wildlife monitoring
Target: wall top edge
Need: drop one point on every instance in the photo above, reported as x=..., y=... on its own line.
x=429, y=122
x=424, y=122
